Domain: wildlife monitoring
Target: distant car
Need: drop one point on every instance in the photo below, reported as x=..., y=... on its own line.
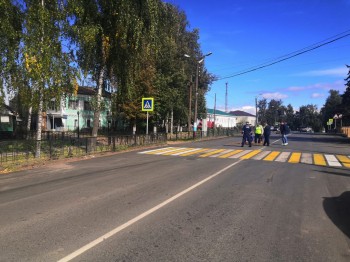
x=276, y=129
x=306, y=130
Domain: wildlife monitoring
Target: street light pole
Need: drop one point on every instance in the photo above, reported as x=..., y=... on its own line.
x=196, y=94
x=256, y=110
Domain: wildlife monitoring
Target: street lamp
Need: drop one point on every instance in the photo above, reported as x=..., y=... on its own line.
x=189, y=101
x=256, y=110
x=196, y=95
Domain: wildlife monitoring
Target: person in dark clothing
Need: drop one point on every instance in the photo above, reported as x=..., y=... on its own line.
x=267, y=133
x=247, y=132
x=284, y=132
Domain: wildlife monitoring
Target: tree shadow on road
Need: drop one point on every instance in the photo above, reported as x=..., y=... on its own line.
x=338, y=210
x=335, y=171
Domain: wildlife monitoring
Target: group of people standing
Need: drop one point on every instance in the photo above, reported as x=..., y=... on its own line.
x=262, y=133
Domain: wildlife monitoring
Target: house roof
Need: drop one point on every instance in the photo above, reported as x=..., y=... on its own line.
x=217, y=112
x=240, y=113
x=90, y=91
x=5, y=109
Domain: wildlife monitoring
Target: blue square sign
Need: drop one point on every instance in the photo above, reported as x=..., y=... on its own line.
x=147, y=104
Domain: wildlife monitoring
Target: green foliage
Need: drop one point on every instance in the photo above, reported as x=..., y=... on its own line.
x=345, y=104
x=332, y=106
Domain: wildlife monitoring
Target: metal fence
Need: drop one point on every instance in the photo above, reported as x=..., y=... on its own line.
x=65, y=146
x=55, y=145
x=200, y=135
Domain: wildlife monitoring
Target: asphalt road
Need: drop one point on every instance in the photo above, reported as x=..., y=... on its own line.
x=178, y=203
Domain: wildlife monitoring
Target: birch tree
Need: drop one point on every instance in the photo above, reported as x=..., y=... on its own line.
x=47, y=63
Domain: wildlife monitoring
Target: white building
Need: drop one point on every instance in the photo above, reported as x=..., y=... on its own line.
x=220, y=119
x=243, y=117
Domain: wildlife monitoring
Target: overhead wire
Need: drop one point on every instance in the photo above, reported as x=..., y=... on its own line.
x=290, y=55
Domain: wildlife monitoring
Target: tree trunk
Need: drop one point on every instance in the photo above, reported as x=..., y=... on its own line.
x=38, y=129
x=29, y=123
x=98, y=106
x=172, y=121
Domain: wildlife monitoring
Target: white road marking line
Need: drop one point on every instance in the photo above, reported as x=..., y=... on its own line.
x=306, y=158
x=141, y=216
x=283, y=157
x=332, y=160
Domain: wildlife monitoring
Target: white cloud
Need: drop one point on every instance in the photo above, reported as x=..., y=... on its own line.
x=275, y=95
x=317, y=95
x=338, y=71
x=338, y=85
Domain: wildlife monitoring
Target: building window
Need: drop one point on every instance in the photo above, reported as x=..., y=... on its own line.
x=54, y=106
x=87, y=106
x=88, y=123
x=73, y=104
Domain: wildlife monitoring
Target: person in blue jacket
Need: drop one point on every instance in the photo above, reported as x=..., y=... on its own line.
x=247, y=132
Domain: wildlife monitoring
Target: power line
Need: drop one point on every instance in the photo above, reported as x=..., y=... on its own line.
x=291, y=55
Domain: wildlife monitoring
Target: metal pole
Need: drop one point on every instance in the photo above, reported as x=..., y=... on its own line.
x=256, y=111
x=147, y=125
x=196, y=95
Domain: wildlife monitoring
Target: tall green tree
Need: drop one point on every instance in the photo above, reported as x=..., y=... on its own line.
x=10, y=38
x=345, y=103
x=309, y=116
x=114, y=41
x=45, y=62
x=332, y=106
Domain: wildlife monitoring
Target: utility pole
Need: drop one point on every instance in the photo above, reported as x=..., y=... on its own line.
x=256, y=111
x=196, y=93
x=226, y=99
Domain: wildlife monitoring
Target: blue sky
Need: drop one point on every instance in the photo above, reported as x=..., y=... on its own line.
x=246, y=33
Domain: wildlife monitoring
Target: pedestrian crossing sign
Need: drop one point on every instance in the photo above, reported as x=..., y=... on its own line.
x=148, y=104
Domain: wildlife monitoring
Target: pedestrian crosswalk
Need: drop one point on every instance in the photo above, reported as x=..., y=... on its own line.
x=333, y=160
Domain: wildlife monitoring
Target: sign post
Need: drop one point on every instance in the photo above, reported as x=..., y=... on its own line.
x=148, y=106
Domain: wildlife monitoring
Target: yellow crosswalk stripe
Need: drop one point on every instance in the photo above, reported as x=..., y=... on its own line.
x=251, y=154
x=212, y=153
x=231, y=153
x=199, y=150
x=295, y=158
x=319, y=160
x=344, y=160
x=272, y=156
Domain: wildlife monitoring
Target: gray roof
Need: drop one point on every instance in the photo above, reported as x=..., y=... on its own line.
x=217, y=112
x=240, y=113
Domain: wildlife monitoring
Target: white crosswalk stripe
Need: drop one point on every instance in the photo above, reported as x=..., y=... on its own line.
x=306, y=158
x=241, y=154
x=222, y=153
x=332, y=160
x=283, y=157
x=261, y=155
